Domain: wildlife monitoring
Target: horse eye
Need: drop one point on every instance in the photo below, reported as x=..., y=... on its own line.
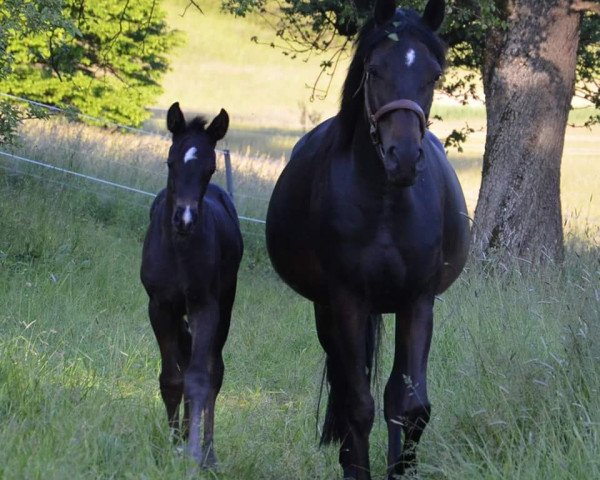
x=372, y=70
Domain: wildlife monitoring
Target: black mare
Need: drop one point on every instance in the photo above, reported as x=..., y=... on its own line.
x=190, y=261
x=368, y=217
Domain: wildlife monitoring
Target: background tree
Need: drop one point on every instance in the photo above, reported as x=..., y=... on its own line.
x=104, y=58
x=19, y=18
x=532, y=56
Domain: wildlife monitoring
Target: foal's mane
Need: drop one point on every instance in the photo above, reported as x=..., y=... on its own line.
x=406, y=22
x=196, y=124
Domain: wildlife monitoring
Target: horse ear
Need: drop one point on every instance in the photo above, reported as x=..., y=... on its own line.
x=433, y=16
x=384, y=11
x=175, y=119
x=218, y=127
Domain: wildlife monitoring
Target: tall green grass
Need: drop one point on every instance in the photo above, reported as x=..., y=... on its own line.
x=513, y=371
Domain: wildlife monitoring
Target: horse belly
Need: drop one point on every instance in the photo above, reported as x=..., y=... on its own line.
x=391, y=275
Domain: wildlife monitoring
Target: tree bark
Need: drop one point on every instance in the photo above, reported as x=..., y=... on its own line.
x=528, y=78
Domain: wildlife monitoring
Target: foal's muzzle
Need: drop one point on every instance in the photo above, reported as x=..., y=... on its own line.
x=184, y=218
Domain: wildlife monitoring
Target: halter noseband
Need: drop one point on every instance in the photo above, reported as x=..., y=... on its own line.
x=401, y=104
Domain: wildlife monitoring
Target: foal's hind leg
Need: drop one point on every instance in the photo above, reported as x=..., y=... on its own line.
x=407, y=407
x=166, y=323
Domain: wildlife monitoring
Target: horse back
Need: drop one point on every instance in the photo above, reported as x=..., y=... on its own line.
x=288, y=231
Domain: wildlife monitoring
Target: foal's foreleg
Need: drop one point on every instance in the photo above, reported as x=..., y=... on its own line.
x=199, y=377
x=407, y=407
x=165, y=322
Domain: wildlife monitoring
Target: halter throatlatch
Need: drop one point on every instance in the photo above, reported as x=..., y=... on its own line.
x=401, y=104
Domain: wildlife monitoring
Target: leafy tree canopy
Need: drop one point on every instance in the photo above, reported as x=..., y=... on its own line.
x=104, y=57
x=326, y=26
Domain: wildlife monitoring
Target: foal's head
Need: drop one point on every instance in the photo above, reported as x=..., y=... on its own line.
x=191, y=163
x=398, y=60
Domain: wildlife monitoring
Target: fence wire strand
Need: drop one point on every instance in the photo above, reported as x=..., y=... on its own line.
x=92, y=178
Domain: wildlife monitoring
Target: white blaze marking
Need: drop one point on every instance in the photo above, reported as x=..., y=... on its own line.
x=187, y=215
x=190, y=155
x=410, y=57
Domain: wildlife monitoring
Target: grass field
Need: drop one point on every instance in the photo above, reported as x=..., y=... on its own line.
x=513, y=371
x=514, y=377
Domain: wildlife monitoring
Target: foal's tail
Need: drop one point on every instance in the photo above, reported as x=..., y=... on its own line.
x=335, y=425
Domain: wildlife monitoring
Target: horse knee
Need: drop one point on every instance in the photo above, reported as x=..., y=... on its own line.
x=196, y=383
x=415, y=421
x=362, y=414
x=170, y=386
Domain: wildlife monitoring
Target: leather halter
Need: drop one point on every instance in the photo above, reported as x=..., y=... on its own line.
x=400, y=104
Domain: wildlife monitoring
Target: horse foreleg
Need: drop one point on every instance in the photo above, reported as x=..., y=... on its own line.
x=165, y=323
x=226, y=305
x=198, y=388
x=342, y=329
x=407, y=407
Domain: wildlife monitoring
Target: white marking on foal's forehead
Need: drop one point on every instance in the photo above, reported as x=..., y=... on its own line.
x=190, y=155
x=410, y=57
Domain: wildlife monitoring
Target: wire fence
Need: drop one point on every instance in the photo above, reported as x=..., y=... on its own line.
x=68, y=152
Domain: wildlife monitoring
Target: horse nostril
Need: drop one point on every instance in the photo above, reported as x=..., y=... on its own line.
x=177, y=215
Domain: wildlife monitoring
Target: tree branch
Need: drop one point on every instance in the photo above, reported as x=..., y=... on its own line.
x=585, y=6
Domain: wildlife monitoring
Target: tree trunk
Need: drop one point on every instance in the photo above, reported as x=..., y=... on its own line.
x=528, y=78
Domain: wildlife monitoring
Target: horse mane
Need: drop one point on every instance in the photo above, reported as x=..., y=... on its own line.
x=405, y=22
x=197, y=124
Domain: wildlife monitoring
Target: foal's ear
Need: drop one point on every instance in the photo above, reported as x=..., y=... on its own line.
x=218, y=127
x=175, y=119
x=384, y=11
x=433, y=16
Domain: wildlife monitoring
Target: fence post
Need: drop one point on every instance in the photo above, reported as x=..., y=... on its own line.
x=229, y=174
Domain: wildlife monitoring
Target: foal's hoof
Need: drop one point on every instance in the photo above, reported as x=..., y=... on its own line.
x=210, y=461
x=402, y=471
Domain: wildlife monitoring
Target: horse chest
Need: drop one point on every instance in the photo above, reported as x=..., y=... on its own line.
x=393, y=257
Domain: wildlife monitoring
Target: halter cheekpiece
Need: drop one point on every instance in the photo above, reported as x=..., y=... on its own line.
x=400, y=104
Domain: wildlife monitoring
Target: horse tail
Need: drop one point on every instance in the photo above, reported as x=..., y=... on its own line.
x=335, y=425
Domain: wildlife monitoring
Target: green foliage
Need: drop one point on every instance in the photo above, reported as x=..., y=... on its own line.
x=325, y=27
x=588, y=65
x=18, y=19
x=104, y=57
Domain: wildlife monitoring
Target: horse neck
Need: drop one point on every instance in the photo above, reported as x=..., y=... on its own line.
x=369, y=170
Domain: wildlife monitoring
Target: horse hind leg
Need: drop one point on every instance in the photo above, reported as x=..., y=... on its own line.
x=407, y=407
x=165, y=323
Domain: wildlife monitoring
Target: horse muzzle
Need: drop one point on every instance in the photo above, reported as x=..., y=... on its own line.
x=402, y=166
x=184, y=218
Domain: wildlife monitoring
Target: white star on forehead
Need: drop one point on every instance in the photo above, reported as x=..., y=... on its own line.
x=190, y=155
x=410, y=57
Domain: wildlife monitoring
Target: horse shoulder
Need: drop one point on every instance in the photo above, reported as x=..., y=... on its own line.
x=226, y=222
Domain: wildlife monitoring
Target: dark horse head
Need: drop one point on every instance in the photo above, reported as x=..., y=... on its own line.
x=191, y=164
x=391, y=78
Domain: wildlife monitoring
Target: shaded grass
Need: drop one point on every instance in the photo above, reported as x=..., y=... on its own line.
x=513, y=368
